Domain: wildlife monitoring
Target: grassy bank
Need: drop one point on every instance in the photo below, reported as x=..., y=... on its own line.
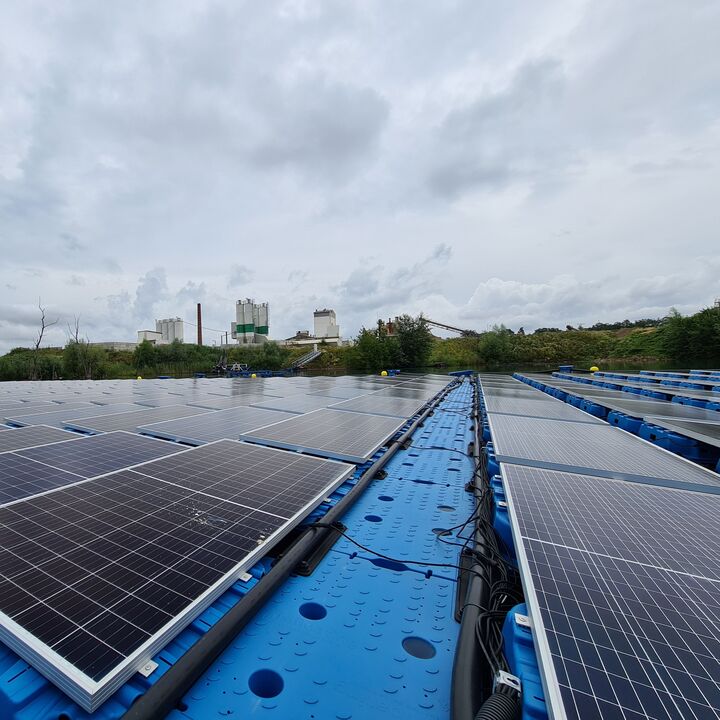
x=673, y=342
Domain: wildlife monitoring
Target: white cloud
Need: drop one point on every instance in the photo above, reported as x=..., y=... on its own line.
x=532, y=164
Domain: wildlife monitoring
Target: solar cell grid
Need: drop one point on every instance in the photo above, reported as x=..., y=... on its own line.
x=217, y=402
x=223, y=424
x=407, y=393
x=57, y=417
x=106, y=571
x=21, y=477
x=554, y=410
x=526, y=393
x=344, y=435
x=132, y=420
x=32, y=409
x=298, y=404
x=100, y=454
x=262, y=478
x=378, y=404
x=633, y=522
x=18, y=438
x=341, y=392
x=707, y=432
x=593, y=449
x=623, y=640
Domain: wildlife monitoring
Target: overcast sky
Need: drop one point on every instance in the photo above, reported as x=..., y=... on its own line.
x=527, y=163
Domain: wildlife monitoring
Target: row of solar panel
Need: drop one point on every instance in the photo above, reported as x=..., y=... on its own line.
x=696, y=422
x=619, y=559
x=111, y=543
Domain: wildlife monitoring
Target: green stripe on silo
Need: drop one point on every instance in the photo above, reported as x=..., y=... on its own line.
x=247, y=328
x=262, y=329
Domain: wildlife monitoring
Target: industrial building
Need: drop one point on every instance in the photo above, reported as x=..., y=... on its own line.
x=166, y=331
x=326, y=326
x=251, y=326
x=326, y=330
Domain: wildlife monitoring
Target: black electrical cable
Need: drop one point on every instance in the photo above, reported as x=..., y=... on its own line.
x=381, y=555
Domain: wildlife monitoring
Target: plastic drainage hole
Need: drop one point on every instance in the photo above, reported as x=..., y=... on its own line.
x=313, y=611
x=373, y=518
x=446, y=508
x=418, y=647
x=265, y=683
x=441, y=531
x=386, y=498
x=181, y=706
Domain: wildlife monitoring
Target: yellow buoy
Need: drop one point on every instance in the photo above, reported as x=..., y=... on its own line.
x=384, y=373
x=594, y=368
x=139, y=377
x=253, y=375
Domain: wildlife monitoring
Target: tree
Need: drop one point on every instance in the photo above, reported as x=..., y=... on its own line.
x=271, y=356
x=44, y=325
x=80, y=359
x=144, y=355
x=415, y=340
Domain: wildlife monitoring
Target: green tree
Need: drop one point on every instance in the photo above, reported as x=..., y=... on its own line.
x=271, y=356
x=414, y=339
x=144, y=355
x=81, y=361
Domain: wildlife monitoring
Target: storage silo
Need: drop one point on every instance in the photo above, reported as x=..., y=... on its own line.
x=245, y=321
x=170, y=328
x=260, y=316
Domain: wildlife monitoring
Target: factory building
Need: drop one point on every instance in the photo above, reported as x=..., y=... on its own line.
x=170, y=329
x=164, y=333
x=251, y=326
x=326, y=324
x=326, y=330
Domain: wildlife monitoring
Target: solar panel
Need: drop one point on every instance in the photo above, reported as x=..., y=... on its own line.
x=25, y=437
x=341, y=392
x=99, y=454
x=216, y=402
x=408, y=393
x=532, y=408
x=224, y=424
x=618, y=639
x=526, y=393
x=298, y=404
x=100, y=575
x=21, y=478
x=57, y=418
x=260, y=478
x=343, y=435
x=672, y=529
x=377, y=404
x=593, y=449
x=131, y=420
x=707, y=432
x=32, y=409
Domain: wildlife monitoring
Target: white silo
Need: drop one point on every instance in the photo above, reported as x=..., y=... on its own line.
x=244, y=321
x=262, y=327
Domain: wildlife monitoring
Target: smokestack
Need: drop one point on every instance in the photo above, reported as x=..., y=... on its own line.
x=199, y=324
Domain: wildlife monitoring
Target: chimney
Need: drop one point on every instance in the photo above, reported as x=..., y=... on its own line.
x=199, y=324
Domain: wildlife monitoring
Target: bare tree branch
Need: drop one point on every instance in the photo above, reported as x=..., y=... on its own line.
x=44, y=325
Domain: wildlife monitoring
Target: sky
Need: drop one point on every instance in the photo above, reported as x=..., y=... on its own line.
x=528, y=163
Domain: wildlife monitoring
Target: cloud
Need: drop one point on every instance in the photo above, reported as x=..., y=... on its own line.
x=460, y=159
x=321, y=128
x=503, y=136
x=565, y=299
x=240, y=275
